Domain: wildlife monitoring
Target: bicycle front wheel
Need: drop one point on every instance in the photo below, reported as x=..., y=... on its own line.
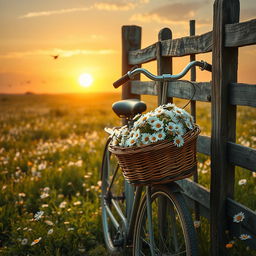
x=172, y=226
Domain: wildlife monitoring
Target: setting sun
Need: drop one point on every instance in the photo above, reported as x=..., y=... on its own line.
x=85, y=80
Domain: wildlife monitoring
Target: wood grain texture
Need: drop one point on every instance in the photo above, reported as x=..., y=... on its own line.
x=179, y=89
x=224, y=61
x=204, y=145
x=242, y=94
x=240, y=34
x=242, y=156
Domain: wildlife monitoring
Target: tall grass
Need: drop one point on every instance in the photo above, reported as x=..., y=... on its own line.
x=50, y=157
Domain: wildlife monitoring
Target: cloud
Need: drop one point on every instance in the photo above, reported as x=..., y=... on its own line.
x=104, y=5
x=176, y=13
x=60, y=52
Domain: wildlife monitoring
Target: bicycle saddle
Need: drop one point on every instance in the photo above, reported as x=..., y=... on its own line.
x=129, y=108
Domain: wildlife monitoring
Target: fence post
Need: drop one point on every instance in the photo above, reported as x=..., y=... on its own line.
x=224, y=62
x=131, y=40
x=164, y=64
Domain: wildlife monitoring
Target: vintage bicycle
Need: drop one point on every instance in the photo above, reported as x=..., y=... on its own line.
x=147, y=219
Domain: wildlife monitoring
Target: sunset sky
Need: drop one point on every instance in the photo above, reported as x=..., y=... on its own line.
x=86, y=35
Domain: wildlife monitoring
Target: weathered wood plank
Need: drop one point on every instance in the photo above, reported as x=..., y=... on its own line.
x=188, y=45
x=204, y=145
x=173, y=48
x=242, y=156
x=164, y=64
x=143, y=55
x=224, y=61
x=242, y=94
x=240, y=34
x=196, y=192
x=179, y=89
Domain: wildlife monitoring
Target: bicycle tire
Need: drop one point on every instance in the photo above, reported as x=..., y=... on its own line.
x=111, y=236
x=176, y=201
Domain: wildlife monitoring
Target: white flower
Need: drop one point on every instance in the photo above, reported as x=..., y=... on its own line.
x=239, y=217
x=179, y=130
x=46, y=189
x=137, y=134
x=50, y=231
x=254, y=174
x=152, y=119
x=178, y=111
x=22, y=194
x=178, y=141
x=153, y=138
x=44, y=205
x=242, y=182
x=172, y=116
x=159, y=111
x=169, y=105
x=130, y=141
x=70, y=229
x=114, y=142
x=36, y=241
x=160, y=135
x=44, y=195
x=48, y=222
x=245, y=237
x=189, y=124
x=145, y=138
x=63, y=204
x=24, y=241
x=170, y=126
x=77, y=203
x=157, y=125
x=38, y=215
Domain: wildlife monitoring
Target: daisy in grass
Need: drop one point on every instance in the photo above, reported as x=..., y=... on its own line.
x=160, y=135
x=50, y=231
x=157, y=125
x=38, y=215
x=24, y=241
x=36, y=241
x=178, y=141
x=238, y=217
x=145, y=138
x=245, y=237
x=153, y=138
x=130, y=142
x=242, y=182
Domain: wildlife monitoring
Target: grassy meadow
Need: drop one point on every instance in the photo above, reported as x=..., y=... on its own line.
x=50, y=156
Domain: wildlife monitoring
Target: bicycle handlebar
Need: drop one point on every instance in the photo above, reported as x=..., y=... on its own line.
x=165, y=77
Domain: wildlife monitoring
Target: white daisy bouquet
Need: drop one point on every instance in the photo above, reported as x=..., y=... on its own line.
x=167, y=122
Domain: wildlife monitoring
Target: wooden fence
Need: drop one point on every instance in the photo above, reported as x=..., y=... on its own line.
x=223, y=93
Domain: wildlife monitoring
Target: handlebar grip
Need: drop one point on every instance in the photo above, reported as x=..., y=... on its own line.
x=121, y=81
x=208, y=67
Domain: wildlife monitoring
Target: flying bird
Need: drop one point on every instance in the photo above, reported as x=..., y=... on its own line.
x=55, y=56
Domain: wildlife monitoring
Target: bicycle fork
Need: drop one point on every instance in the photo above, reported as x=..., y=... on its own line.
x=150, y=223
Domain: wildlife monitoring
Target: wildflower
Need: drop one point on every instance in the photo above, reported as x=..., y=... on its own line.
x=169, y=105
x=189, y=124
x=178, y=128
x=70, y=229
x=66, y=222
x=4, y=187
x=50, y=231
x=245, y=237
x=38, y=215
x=81, y=250
x=178, y=111
x=22, y=194
x=159, y=111
x=170, y=126
x=44, y=195
x=197, y=223
x=239, y=217
x=48, y=222
x=229, y=245
x=153, y=138
x=77, y=203
x=178, y=141
x=36, y=241
x=157, y=125
x=131, y=141
x=160, y=135
x=44, y=205
x=99, y=183
x=63, y=204
x=152, y=119
x=145, y=138
x=242, y=182
x=24, y=241
x=254, y=174
x=46, y=189
x=172, y=116
x=137, y=134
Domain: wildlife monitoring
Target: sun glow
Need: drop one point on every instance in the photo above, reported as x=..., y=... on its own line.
x=85, y=80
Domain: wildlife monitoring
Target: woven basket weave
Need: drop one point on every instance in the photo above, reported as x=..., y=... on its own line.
x=159, y=162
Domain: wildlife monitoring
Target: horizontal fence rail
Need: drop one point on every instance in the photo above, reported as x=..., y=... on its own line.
x=240, y=34
x=237, y=34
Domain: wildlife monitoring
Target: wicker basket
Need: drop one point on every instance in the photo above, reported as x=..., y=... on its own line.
x=159, y=162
